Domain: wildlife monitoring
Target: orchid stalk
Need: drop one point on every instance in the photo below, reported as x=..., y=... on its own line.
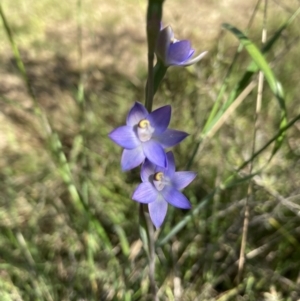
x=154, y=16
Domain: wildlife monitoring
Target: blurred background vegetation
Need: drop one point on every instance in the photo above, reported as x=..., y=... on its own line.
x=69, y=229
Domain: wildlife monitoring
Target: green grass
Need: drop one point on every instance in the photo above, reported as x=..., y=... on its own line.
x=69, y=229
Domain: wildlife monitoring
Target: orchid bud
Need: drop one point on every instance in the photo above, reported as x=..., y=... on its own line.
x=172, y=52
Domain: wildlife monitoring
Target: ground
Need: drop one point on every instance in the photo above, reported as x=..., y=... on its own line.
x=69, y=229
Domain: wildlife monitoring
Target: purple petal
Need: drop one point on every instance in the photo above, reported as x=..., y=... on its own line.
x=175, y=198
x=163, y=42
x=148, y=169
x=125, y=137
x=195, y=59
x=158, y=211
x=155, y=153
x=145, y=193
x=170, y=171
x=192, y=51
x=132, y=158
x=179, y=52
x=181, y=179
x=160, y=119
x=136, y=114
x=170, y=138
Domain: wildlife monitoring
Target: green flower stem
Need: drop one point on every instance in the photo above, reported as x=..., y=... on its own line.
x=149, y=85
x=159, y=73
x=154, y=15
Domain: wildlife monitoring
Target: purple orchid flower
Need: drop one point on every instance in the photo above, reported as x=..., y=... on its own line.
x=146, y=136
x=162, y=186
x=174, y=52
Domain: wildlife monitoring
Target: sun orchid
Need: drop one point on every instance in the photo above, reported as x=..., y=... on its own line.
x=174, y=52
x=160, y=187
x=146, y=136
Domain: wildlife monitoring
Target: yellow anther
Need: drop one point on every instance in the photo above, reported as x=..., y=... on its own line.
x=144, y=123
x=158, y=176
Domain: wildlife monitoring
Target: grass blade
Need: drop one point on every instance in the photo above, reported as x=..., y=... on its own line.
x=261, y=63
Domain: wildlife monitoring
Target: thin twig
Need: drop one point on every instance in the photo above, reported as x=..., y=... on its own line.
x=201, y=143
x=256, y=126
x=230, y=110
